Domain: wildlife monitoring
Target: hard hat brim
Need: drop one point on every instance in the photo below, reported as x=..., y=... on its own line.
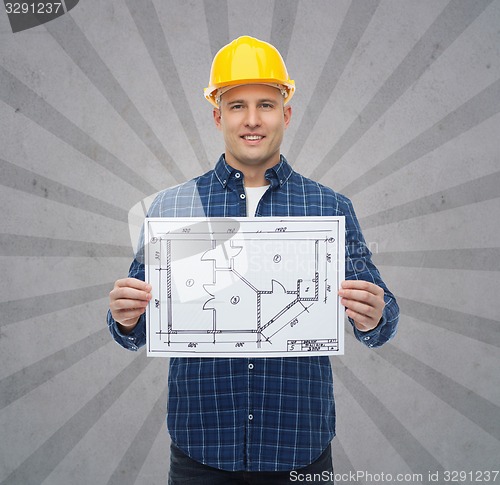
x=211, y=91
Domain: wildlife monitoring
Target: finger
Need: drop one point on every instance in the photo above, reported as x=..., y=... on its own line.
x=362, y=285
x=361, y=321
x=361, y=296
x=133, y=283
x=126, y=293
x=359, y=308
x=123, y=316
x=127, y=304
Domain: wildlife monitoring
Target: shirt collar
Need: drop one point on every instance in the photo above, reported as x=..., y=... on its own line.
x=223, y=171
x=277, y=175
x=280, y=173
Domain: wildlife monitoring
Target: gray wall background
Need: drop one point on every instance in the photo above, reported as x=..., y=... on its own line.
x=397, y=106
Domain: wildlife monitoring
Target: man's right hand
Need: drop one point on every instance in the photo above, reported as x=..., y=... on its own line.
x=128, y=301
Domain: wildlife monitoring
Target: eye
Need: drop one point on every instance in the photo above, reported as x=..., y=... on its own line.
x=236, y=107
x=267, y=106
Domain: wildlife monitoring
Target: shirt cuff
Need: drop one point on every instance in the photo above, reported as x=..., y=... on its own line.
x=131, y=341
x=371, y=337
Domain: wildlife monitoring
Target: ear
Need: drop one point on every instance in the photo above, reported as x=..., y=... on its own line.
x=217, y=118
x=287, y=114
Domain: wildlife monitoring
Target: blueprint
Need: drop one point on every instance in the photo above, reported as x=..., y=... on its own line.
x=244, y=287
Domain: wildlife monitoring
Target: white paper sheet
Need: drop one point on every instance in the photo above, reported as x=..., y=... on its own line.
x=245, y=287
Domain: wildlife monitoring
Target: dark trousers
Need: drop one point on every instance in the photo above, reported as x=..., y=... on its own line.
x=184, y=470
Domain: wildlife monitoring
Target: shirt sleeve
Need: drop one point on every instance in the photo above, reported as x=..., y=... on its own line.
x=359, y=266
x=137, y=337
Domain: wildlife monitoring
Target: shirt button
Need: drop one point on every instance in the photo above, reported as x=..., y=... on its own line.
x=242, y=196
x=366, y=338
x=250, y=366
x=237, y=175
x=250, y=417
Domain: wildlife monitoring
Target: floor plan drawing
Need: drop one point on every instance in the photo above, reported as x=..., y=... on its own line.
x=240, y=287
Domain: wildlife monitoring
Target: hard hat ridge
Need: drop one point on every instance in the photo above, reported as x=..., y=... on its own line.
x=247, y=60
x=219, y=92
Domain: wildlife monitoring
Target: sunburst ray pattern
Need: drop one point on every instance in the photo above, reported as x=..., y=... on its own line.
x=397, y=106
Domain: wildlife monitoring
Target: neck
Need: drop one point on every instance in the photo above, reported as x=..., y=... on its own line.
x=254, y=175
x=254, y=178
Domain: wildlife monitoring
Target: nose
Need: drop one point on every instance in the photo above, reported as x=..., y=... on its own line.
x=252, y=117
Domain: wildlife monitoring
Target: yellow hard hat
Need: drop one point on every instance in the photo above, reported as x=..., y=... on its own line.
x=247, y=60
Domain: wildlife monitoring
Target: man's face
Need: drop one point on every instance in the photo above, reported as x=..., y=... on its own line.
x=252, y=119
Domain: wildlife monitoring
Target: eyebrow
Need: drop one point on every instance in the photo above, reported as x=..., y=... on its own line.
x=242, y=101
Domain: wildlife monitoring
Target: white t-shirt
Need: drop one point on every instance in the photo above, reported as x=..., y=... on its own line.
x=254, y=194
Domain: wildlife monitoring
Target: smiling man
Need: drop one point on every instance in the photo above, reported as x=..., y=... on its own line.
x=253, y=120
x=266, y=420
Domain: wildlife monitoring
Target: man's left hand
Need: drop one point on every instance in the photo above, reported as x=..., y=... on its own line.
x=364, y=302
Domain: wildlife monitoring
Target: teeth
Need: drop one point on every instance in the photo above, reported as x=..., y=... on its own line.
x=252, y=137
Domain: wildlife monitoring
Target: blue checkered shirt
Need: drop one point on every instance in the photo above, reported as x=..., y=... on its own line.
x=265, y=414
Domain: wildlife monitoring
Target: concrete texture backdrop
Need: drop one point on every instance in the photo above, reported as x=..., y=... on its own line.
x=397, y=106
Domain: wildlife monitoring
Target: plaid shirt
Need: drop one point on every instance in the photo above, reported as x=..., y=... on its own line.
x=265, y=414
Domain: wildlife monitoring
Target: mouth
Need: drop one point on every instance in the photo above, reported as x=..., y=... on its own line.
x=252, y=137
